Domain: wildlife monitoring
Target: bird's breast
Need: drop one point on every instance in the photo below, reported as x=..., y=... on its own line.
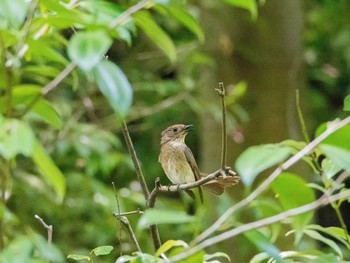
x=174, y=163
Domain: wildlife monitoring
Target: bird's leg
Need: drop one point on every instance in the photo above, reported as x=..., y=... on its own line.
x=226, y=171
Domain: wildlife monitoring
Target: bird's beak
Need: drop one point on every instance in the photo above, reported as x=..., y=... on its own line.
x=188, y=127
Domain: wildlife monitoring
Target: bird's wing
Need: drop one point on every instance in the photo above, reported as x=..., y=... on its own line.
x=192, y=162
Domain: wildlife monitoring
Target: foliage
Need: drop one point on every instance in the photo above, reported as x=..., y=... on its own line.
x=61, y=61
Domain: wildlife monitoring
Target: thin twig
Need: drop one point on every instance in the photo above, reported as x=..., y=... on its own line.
x=301, y=117
x=221, y=92
x=141, y=179
x=125, y=221
x=322, y=201
x=128, y=12
x=334, y=126
x=5, y=166
x=49, y=229
x=136, y=212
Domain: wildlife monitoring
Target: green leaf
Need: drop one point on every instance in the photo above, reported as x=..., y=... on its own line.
x=49, y=169
x=16, y=137
x=329, y=168
x=339, y=138
x=102, y=250
x=114, y=85
x=78, y=257
x=339, y=156
x=170, y=244
x=125, y=258
x=263, y=244
x=13, y=12
x=45, y=111
x=184, y=18
x=258, y=158
x=18, y=250
x=347, y=103
x=47, y=251
x=326, y=259
x=144, y=20
x=157, y=216
x=292, y=191
x=86, y=49
x=317, y=236
x=336, y=232
x=249, y=5
x=216, y=255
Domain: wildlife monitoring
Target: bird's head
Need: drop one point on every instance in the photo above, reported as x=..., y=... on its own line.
x=175, y=132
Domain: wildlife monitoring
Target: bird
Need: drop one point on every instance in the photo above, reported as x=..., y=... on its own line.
x=179, y=164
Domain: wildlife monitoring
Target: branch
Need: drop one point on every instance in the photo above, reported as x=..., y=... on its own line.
x=126, y=223
x=221, y=92
x=334, y=126
x=46, y=226
x=322, y=201
x=141, y=179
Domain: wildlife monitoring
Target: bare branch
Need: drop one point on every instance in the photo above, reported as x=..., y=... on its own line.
x=49, y=228
x=126, y=223
x=221, y=92
x=334, y=126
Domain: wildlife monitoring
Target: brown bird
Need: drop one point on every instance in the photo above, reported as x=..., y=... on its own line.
x=179, y=164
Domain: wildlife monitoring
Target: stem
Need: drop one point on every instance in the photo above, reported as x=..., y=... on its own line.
x=341, y=221
x=141, y=179
x=221, y=92
x=126, y=223
x=49, y=229
x=4, y=173
x=301, y=117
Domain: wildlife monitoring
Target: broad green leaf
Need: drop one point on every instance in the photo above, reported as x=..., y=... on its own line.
x=114, y=85
x=49, y=169
x=216, y=255
x=184, y=18
x=144, y=20
x=258, y=158
x=102, y=250
x=86, y=49
x=170, y=244
x=13, y=12
x=44, y=49
x=250, y=5
x=340, y=138
x=45, y=111
x=263, y=244
x=16, y=137
x=317, y=236
x=292, y=191
x=339, y=156
x=78, y=257
x=157, y=216
x=18, y=250
x=347, y=103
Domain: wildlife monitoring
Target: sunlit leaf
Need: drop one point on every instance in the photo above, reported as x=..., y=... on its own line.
x=87, y=48
x=18, y=250
x=125, y=258
x=329, y=168
x=157, y=216
x=250, y=5
x=13, y=12
x=258, y=158
x=339, y=156
x=263, y=244
x=78, y=257
x=347, y=103
x=114, y=85
x=339, y=138
x=16, y=137
x=144, y=20
x=49, y=169
x=292, y=191
x=102, y=250
x=170, y=244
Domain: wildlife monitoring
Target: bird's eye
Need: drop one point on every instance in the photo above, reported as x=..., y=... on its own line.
x=174, y=129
